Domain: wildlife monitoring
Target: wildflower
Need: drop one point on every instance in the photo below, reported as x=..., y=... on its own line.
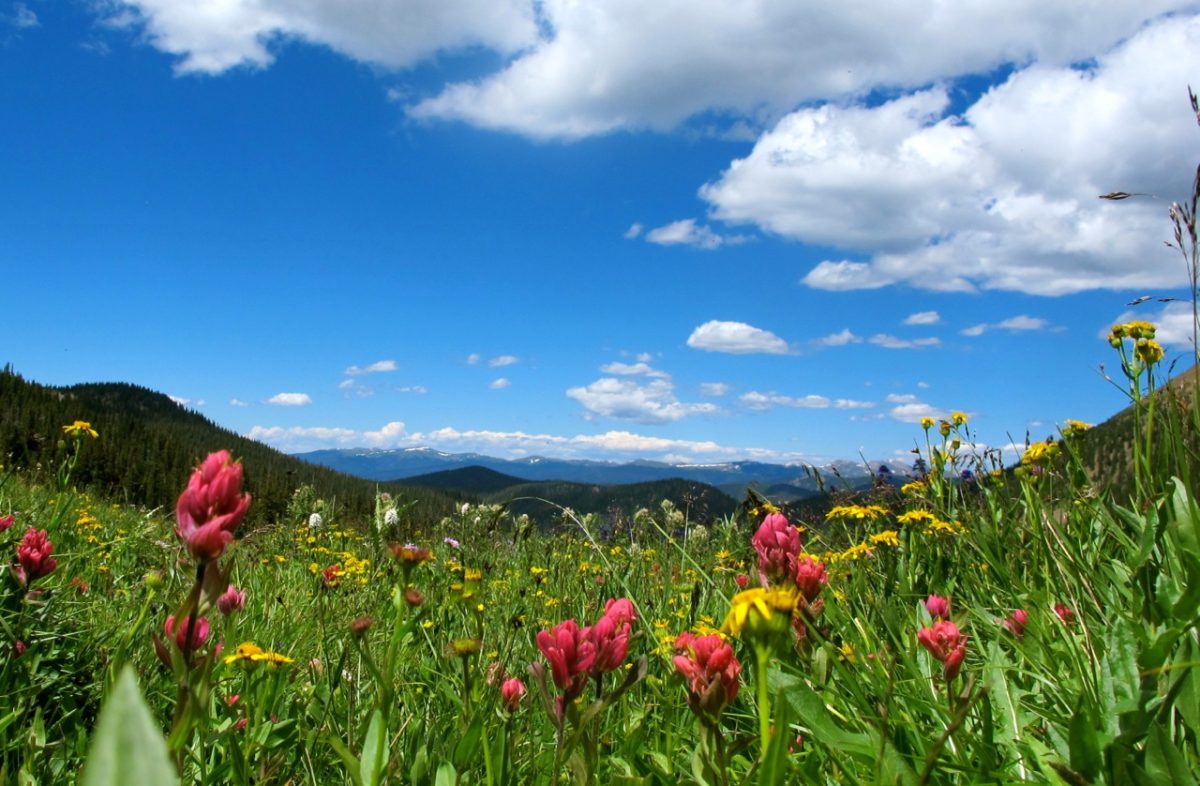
x=212, y=506
x=711, y=670
x=610, y=639
x=81, y=586
x=621, y=610
x=315, y=521
x=464, y=647
x=1148, y=351
x=199, y=632
x=1075, y=427
x=927, y=423
x=1040, y=453
x=946, y=644
x=452, y=543
x=810, y=577
x=390, y=517
x=360, y=626
x=33, y=557
x=859, y=512
x=742, y=580
x=1016, y=622
x=414, y=597
x=6, y=521
x=760, y=612
x=938, y=607
x=570, y=653
x=409, y=554
x=18, y=648
x=913, y=488
x=777, y=543
x=231, y=600
x=511, y=693
x=1065, y=613
x=959, y=418
x=889, y=537
x=251, y=653
x=80, y=428
x=331, y=577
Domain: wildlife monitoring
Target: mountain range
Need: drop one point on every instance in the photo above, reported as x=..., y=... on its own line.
x=783, y=482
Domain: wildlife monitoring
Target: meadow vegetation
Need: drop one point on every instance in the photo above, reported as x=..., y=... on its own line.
x=982, y=624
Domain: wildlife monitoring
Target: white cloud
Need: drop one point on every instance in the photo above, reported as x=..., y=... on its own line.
x=633, y=369
x=635, y=230
x=1003, y=196
x=644, y=357
x=216, y=36
x=412, y=389
x=736, y=338
x=391, y=435
x=22, y=17
x=764, y=401
x=687, y=232
x=915, y=411
x=375, y=368
x=503, y=360
x=1016, y=324
x=625, y=399
x=900, y=398
x=714, y=389
x=296, y=439
x=839, y=339
x=346, y=384
x=892, y=342
x=602, y=66
x=290, y=399
x=500, y=383
x=472, y=358
x=237, y=402
x=923, y=318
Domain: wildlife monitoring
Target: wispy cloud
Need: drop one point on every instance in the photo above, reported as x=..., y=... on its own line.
x=764, y=401
x=687, y=232
x=923, y=318
x=500, y=383
x=736, y=338
x=892, y=342
x=1015, y=324
x=375, y=368
x=237, y=402
x=714, y=389
x=503, y=360
x=634, y=231
x=290, y=399
x=472, y=358
x=839, y=339
x=633, y=369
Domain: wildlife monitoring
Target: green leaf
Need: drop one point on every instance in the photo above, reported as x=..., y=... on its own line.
x=128, y=746
x=468, y=743
x=375, y=750
x=446, y=775
x=1164, y=762
x=773, y=769
x=1084, y=741
x=348, y=758
x=1186, y=520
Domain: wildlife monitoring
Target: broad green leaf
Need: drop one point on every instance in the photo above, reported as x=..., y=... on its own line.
x=1084, y=741
x=128, y=746
x=468, y=743
x=1164, y=763
x=446, y=775
x=375, y=750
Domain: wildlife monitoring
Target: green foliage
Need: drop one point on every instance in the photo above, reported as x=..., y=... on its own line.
x=128, y=746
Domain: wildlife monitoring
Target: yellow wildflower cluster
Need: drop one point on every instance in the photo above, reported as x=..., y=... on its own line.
x=760, y=612
x=1075, y=427
x=1040, y=453
x=1135, y=330
x=859, y=512
x=80, y=428
x=889, y=537
x=1148, y=351
x=251, y=653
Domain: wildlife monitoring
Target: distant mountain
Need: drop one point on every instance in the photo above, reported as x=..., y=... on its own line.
x=149, y=445
x=788, y=481
x=524, y=496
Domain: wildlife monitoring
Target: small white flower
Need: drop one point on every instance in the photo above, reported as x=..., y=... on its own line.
x=466, y=508
x=391, y=517
x=315, y=521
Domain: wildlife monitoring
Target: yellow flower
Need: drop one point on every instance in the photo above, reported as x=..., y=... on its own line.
x=760, y=611
x=959, y=418
x=859, y=512
x=913, y=488
x=79, y=428
x=1149, y=351
x=1040, y=452
x=888, y=537
x=927, y=422
x=1075, y=426
x=250, y=652
x=915, y=517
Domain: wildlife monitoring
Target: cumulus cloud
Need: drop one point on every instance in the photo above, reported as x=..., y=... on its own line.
x=375, y=368
x=295, y=439
x=687, y=232
x=736, y=338
x=626, y=399
x=893, y=342
x=839, y=339
x=1003, y=196
x=500, y=383
x=1016, y=324
x=914, y=411
x=290, y=399
x=587, y=73
x=633, y=369
x=923, y=318
x=391, y=435
x=214, y=37
x=503, y=360
x=714, y=389
x=237, y=402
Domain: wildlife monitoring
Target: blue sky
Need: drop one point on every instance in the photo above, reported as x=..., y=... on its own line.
x=692, y=231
